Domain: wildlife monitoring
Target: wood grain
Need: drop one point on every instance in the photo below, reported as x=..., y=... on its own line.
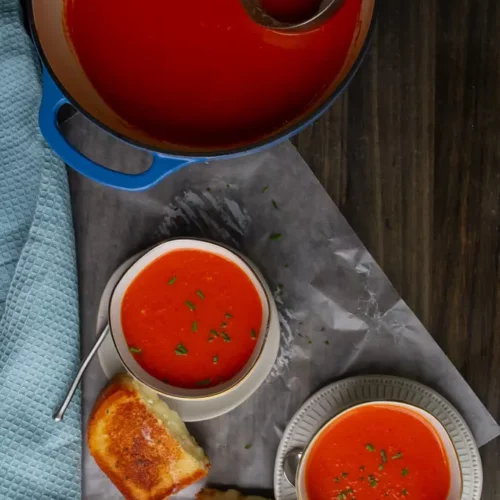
x=411, y=154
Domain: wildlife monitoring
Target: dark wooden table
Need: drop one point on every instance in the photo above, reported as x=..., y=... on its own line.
x=411, y=155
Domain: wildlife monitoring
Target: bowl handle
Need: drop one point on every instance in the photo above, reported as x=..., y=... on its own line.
x=52, y=100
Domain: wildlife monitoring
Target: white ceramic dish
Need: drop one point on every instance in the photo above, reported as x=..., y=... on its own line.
x=118, y=336
x=456, y=476
x=201, y=409
x=344, y=394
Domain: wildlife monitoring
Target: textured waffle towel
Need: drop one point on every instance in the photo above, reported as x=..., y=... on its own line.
x=39, y=344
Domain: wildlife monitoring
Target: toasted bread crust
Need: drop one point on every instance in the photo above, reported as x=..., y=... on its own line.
x=212, y=494
x=135, y=449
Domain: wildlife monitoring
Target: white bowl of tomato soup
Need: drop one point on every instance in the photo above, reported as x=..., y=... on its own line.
x=190, y=318
x=380, y=450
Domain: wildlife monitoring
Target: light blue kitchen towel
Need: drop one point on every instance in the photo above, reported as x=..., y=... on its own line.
x=39, y=336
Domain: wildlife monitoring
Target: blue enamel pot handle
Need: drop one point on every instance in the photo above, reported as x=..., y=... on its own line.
x=52, y=101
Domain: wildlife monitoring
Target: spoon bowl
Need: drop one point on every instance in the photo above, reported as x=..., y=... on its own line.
x=325, y=10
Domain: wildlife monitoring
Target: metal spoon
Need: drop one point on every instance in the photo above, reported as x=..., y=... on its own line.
x=291, y=464
x=59, y=414
x=326, y=9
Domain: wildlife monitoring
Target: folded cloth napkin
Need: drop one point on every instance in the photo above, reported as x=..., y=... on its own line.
x=39, y=335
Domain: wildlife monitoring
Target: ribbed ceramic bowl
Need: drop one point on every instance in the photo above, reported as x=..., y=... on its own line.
x=118, y=336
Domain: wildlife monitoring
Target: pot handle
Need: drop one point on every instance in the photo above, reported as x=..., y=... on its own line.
x=52, y=100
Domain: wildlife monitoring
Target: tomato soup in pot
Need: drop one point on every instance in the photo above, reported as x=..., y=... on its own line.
x=201, y=74
x=192, y=318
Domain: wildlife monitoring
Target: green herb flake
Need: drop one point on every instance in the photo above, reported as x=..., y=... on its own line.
x=336, y=479
x=349, y=491
x=265, y=188
x=405, y=472
x=200, y=294
x=275, y=236
x=228, y=186
x=215, y=333
x=211, y=339
x=383, y=454
x=135, y=350
x=373, y=483
x=253, y=334
x=226, y=337
x=404, y=492
x=194, y=326
x=181, y=350
x=203, y=382
x=326, y=342
x=361, y=467
x=190, y=305
x=370, y=447
x=397, y=456
x=341, y=496
x=381, y=467
x=344, y=474
x=248, y=446
x=228, y=316
x=172, y=280
x=275, y=205
x=223, y=325
x=215, y=359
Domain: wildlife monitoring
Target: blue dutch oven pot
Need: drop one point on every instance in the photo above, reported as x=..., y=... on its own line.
x=64, y=82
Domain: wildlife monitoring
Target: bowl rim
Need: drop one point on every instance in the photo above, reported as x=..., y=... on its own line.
x=202, y=393
x=429, y=417
x=300, y=123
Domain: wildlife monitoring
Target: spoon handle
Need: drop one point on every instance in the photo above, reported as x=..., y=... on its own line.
x=59, y=414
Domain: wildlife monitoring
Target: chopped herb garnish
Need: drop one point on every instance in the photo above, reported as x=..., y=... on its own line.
x=361, y=467
x=349, y=491
x=341, y=496
x=191, y=306
x=181, y=350
x=135, y=350
x=211, y=339
x=265, y=188
x=370, y=447
x=215, y=359
x=404, y=492
x=228, y=316
x=172, y=280
x=248, y=446
x=228, y=186
x=253, y=333
x=275, y=236
x=200, y=294
x=208, y=189
x=371, y=477
x=226, y=337
x=214, y=332
x=405, y=472
x=309, y=341
x=344, y=474
x=275, y=205
x=381, y=467
x=373, y=483
x=194, y=326
x=203, y=382
x=223, y=325
x=397, y=456
x=326, y=342
x=336, y=479
x=383, y=454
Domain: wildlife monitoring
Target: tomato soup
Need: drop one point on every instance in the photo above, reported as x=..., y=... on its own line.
x=378, y=452
x=201, y=73
x=192, y=318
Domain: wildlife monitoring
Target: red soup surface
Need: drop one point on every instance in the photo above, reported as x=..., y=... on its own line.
x=201, y=73
x=192, y=318
x=378, y=452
